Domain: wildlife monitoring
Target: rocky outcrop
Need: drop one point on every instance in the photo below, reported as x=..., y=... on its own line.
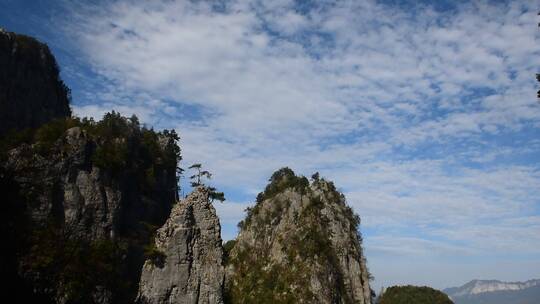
x=83, y=200
x=88, y=202
x=80, y=198
x=31, y=91
x=94, y=202
x=187, y=266
x=482, y=286
x=298, y=244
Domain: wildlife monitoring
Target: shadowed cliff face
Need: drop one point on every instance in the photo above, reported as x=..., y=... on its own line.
x=81, y=199
x=90, y=201
x=298, y=244
x=31, y=91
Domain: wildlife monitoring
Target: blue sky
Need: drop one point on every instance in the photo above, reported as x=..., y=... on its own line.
x=425, y=116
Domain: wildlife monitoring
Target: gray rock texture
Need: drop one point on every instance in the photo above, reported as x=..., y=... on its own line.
x=31, y=91
x=190, y=269
x=298, y=244
x=65, y=201
x=92, y=201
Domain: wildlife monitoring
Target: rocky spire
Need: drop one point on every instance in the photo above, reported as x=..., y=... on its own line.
x=187, y=264
x=298, y=244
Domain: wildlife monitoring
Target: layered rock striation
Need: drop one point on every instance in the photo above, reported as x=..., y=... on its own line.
x=299, y=244
x=187, y=267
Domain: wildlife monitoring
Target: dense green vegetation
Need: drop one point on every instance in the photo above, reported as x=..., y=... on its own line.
x=413, y=294
x=58, y=258
x=227, y=247
x=283, y=179
x=121, y=145
x=57, y=255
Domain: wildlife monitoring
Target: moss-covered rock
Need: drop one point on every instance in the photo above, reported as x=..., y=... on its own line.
x=298, y=244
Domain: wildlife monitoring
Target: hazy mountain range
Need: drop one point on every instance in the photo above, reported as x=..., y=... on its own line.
x=496, y=292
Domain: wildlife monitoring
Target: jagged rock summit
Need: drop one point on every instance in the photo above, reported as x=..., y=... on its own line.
x=299, y=244
x=31, y=91
x=187, y=266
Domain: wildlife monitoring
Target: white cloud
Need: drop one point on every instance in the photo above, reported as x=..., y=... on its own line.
x=408, y=110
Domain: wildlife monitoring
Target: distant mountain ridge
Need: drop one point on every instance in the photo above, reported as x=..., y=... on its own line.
x=482, y=286
x=494, y=291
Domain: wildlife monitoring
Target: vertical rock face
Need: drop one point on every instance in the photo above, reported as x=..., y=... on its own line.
x=80, y=220
x=188, y=265
x=298, y=244
x=31, y=92
x=92, y=201
x=81, y=198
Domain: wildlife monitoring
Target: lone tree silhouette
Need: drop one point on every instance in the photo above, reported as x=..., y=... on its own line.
x=196, y=181
x=196, y=178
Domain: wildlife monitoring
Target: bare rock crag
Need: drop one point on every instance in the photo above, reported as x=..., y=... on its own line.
x=189, y=269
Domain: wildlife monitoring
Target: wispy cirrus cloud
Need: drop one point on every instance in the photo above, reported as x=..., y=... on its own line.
x=426, y=117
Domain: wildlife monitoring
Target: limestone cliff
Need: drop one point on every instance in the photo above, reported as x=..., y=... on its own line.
x=31, y=91
x=188, y=267
x=94, y=199
x=82, y=199
x=299, y=244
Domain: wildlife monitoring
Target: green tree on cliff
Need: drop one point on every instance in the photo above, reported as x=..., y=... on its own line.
x=197, y=181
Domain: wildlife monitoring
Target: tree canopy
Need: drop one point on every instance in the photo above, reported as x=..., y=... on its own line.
x=413, y=294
